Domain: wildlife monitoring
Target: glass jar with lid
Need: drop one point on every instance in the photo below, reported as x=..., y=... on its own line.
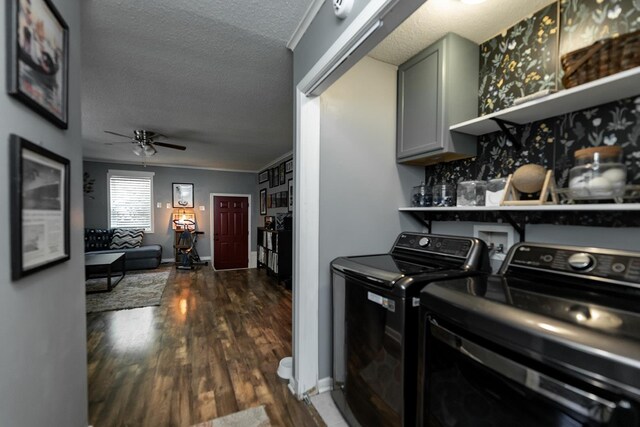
x=444, y=195
x=421, y=196
x=471, y=193
x=599, y=173
x=495, y=191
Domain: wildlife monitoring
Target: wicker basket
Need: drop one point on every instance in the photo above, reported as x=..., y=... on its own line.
x=601, y=59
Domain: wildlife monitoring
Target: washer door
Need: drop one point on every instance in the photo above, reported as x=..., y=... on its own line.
x=469, y=385
x=374, y=336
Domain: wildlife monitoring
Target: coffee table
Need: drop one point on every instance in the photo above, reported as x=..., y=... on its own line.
x=103, y=265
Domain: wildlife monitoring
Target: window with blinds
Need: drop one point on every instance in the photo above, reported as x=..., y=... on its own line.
x=131, y=200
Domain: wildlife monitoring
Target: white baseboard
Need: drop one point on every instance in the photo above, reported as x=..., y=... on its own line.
x=205, y=258
x=293, y=386
x=253, y=259
x=325, y=384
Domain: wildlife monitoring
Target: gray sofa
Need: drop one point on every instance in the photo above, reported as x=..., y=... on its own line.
x=97, y=240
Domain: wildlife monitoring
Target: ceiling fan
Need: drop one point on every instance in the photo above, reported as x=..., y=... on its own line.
x=145, y=142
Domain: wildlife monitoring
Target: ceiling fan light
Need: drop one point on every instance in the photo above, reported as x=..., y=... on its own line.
x=137, y=150
x=149, y=151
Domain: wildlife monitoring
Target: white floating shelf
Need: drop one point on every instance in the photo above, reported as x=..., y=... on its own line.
x=607, y=89
x=573, y=208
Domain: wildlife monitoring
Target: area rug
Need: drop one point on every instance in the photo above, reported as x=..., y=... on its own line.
x=134, y=290
x=252, y=417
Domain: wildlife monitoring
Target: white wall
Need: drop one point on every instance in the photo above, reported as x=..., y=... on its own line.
x=43, y=360
x=361, y=186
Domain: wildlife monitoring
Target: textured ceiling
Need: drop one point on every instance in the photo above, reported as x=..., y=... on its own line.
x=476, y=22
x=214, y=76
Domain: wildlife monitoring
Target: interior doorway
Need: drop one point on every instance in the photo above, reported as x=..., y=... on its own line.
x=231, y=231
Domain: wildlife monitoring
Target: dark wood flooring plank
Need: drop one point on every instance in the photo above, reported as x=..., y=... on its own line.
x=210, y=349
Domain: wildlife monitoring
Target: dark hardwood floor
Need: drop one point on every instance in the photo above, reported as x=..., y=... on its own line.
x=210, y=349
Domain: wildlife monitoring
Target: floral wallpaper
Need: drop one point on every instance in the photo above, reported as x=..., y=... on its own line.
x=521, y=61
x=552, y=143
x=497, y=157
x=587, y=21
x=617, y=123
x=524, y=60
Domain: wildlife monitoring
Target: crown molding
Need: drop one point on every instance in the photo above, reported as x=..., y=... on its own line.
x=162, y=165
x=304, y=24
x=273, y=162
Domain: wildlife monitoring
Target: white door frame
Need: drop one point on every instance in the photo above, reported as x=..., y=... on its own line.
x=306, y=229
x=212, y=224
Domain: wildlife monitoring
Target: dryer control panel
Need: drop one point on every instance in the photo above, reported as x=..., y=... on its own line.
x=604, y=263
x=431, y=243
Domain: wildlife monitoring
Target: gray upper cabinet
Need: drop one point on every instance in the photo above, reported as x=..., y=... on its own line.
x=437, y=88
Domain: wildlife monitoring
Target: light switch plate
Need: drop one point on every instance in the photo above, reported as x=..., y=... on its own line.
x=201, y=208
x=168, y=205
x=158, y=205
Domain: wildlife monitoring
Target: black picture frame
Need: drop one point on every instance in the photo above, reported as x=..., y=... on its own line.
x=288, y=166
x=290, y=196
x=282, y=174
x=263, y=201
x=38, y=69
x=263, y=176
x=269, y=222
x=182, y=194
x=40, y=208
x=273, y=182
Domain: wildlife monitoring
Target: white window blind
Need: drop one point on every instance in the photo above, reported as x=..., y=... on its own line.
x=131, y=200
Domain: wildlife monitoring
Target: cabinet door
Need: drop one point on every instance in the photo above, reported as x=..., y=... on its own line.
x=419, y=105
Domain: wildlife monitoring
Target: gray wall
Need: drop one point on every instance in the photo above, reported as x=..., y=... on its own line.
x=205, y=182
x=43, y=360
x=615, y=238
x=326, y=28
x=361, y=186
x=321, y=34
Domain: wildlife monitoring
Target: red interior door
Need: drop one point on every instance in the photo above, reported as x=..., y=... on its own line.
x=230, y=232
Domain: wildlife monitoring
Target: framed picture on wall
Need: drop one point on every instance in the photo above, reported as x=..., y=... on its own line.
x=39, y=208
x=290, y=196
x=282, y=174
x=38, y=58
x=182, y=195
x=273, y=176
x=288, y=166
x=263, y=201
x=263, y=177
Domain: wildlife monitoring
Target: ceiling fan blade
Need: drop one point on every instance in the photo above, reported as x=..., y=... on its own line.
x=118, y=134
x=175, y=147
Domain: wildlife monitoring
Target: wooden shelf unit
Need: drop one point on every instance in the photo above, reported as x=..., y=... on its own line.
x=607, y=89
x=275, y=253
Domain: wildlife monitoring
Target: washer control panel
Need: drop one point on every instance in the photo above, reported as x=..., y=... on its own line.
x=609, y=264
x=434, y=244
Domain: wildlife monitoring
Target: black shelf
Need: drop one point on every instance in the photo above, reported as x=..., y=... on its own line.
x=275, y=253
x=593, y=215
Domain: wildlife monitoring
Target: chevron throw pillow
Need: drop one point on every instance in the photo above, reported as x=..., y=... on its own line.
x=124, y=238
